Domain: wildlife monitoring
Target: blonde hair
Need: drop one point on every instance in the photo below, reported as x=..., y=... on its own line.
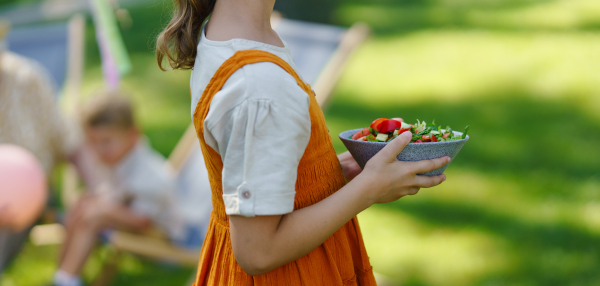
x=178, y=41
x=109, y=109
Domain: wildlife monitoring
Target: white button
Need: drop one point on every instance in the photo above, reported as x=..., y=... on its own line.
x=246, y=194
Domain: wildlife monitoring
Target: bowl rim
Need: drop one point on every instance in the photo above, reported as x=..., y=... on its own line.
x=411, y=143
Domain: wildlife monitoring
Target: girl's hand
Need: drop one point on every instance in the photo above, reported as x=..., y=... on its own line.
x=392, y=179
x=349, y=166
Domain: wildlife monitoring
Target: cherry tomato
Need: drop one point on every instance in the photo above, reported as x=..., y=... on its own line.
x=375, y=125
x=389, y=125
x=363, y=132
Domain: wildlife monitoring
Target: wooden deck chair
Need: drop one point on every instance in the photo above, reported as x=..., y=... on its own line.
x=58, y=47
x=320, y=52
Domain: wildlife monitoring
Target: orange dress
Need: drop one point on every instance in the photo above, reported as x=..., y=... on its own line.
x=340, y=260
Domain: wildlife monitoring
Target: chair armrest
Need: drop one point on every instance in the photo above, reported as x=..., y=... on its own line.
x=152, y=247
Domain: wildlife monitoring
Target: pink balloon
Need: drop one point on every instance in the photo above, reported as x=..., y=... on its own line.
x=23, y=186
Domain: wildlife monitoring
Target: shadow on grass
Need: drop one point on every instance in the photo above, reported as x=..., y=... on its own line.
x=541, y=254
x=155, y=274
x=509, y=132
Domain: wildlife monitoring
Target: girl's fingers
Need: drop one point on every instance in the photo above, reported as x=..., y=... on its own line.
x=392, y=149
x=428, y=182
x=425, y=166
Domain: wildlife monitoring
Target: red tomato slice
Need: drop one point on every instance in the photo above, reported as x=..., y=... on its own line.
x=375, y=125
x=433, y=138
x=419, y=141
x=389, y=125
x=363, y=132
x=426, y=138
x=445, y=136
x=403, y=130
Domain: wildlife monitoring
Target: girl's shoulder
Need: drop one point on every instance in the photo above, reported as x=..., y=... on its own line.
x=263, y=82
x=258, y=81
x=267, y=80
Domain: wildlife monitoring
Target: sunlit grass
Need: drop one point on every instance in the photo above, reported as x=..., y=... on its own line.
x=455, y=65
x=405, y=249
x=520, y=203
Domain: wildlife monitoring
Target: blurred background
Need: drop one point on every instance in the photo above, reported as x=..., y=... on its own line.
x=521, y=205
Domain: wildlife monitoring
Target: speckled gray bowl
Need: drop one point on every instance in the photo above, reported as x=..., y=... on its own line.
x=362, y=151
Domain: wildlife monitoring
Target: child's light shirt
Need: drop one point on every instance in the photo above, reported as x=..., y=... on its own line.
x=146, y=184
x=258, y=122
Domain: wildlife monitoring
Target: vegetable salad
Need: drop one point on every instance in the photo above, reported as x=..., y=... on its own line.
x=385, y=130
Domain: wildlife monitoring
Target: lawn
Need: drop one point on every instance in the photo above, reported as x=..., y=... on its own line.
x=521, y=205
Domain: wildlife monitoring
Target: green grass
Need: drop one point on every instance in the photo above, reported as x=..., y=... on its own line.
x=521, y=205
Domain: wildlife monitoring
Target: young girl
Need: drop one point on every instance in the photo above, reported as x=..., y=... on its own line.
x=283, y=213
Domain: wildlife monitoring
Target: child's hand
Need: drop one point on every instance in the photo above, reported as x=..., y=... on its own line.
x=392, y=179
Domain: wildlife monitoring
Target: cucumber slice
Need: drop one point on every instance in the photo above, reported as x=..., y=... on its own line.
x=381, y=137
x=405, y=126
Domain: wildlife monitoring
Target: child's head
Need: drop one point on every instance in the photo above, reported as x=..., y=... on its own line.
x=109, y=126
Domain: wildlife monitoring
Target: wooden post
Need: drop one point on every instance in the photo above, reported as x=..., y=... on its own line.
x=333, y=70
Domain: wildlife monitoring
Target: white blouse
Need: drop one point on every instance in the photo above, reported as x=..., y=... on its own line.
x=258, y=122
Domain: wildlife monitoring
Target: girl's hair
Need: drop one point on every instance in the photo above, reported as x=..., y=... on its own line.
x=178, y=41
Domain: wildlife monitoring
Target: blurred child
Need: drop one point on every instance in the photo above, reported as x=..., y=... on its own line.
x=133, y=191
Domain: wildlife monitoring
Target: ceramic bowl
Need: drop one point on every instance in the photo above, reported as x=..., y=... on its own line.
x=362, y=151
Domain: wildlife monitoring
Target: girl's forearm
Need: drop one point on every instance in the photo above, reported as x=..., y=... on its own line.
x=307, y=228
x=296, y=234
x=261, y=244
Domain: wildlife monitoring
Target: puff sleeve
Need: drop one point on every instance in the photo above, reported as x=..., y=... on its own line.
x=261, y=141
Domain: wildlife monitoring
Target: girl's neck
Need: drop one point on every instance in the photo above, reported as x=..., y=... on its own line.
x=246, y=19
